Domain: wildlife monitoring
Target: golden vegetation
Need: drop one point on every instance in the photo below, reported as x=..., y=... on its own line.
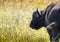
x=15, y=16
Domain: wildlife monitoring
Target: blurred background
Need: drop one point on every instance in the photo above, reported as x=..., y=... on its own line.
x=15, y=17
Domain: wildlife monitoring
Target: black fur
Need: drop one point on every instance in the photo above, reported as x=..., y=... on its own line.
x=37, y=20
x=49, y=18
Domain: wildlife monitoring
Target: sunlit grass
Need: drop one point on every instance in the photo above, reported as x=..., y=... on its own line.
x=14, y=23
x=14, y=27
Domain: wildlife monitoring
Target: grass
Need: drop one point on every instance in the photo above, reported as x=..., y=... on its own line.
x=14, y=27
x=14, y=23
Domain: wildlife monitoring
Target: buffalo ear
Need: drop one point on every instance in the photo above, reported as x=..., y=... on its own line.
x=36, y=13
x=39, y=12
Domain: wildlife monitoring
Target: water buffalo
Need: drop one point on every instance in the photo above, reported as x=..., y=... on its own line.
x=50, y=18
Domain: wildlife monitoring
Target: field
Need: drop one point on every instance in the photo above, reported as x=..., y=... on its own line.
x=15, y=17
